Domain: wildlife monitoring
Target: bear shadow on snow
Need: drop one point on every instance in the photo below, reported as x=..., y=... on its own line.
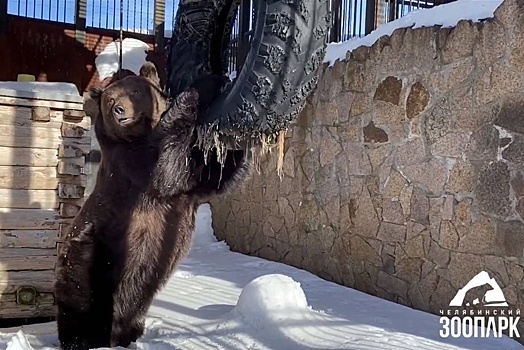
x=137, y=223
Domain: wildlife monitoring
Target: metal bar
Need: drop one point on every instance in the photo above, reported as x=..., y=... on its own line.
x=3, y=17
x=159, y=16
x=370, y=16
x=243, y=28
x=80, y=21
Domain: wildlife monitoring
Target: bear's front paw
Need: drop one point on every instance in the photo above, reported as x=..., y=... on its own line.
x=187, y=103
x=182, y=115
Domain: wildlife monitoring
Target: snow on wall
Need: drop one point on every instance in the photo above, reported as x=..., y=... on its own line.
x=447, y=15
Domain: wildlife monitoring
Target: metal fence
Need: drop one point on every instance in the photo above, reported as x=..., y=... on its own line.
x=350, y=18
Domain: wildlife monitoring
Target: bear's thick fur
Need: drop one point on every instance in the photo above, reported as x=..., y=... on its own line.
x=137, y=224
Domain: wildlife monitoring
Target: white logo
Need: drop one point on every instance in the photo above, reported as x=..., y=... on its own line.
x=493, y=297
x=488, y=316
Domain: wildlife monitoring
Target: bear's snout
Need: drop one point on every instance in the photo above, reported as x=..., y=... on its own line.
x=119, y=110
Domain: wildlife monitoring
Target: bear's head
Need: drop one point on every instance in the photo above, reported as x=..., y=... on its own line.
x=129, y=108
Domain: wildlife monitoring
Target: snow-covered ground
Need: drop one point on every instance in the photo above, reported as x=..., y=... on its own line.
x=447, y=15
x=219, y=299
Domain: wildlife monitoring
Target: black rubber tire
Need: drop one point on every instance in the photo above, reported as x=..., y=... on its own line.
x=199, y=42
x=279, y=73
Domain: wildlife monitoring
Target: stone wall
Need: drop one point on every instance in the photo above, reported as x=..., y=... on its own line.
x=403, y=176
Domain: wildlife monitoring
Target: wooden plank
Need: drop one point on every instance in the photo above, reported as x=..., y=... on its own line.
x=22, y=219
x=35, y=137
x=70, y=191
x=28, y=238
x=21, y=116
x=29, y=199
x=36, y=178
x=42, y=281
x=44, y=307
x=69, y=210
x=71, y=166
x=70, y=149
x=28, y=157
x=27, y=259
x=14, y=101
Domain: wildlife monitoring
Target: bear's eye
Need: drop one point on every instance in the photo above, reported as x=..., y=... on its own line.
x=135, y=92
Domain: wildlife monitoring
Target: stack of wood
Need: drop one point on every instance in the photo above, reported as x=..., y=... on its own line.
x=43, y=143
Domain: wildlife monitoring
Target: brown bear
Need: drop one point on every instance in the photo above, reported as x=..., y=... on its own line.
x=137, y=223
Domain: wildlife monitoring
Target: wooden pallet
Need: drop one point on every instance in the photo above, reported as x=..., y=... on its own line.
x=43, y=144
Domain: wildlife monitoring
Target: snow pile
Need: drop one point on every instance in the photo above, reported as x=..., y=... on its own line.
x=447, y=15
x=271, y=298
x=134, y=53
x=223, y=300
x=40, y=86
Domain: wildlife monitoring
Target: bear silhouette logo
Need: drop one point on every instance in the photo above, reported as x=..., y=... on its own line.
x=492, y=297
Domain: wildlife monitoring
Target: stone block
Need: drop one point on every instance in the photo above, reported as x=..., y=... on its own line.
x=438, y=255
x=469, y=118
x=510, y=114
x=389, y=90
x=405, y=200
x=448, y=238
x=460, y=41
x=355, y=76
x=372, y=134
x=414, y=247
x=438, y=121
x=461, y=178
x=350, y=131
x=329, y=147
x=358, y=159
x=361, y=104
x=389, y=232
x=417, y=100
x=462, y=267
x=364, y=217
x=507, y=12
x=451, y=145
x=394, y=185
x=493, y=189
x=419, y=207
x=343, y=104
x=325, y=113
x=502, y=81
x=512, y=236
x=459, y=72
x=447, y=208
x=392, y=212
x=411, y=152
x=514, y=152
x=479, y=238
x=387, y=114
x=377, y=156
x=409, y=269
x=484, y=143
x=492, y=43
x=392, y=284
x=432, y=175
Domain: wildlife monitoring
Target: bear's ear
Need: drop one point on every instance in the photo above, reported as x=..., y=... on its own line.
x=148, y=70
x=92, y=102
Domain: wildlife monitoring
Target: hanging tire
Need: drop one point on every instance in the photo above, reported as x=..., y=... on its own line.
x=280, y=71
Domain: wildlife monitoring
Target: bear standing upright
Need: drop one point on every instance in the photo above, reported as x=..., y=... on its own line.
x=137, y=224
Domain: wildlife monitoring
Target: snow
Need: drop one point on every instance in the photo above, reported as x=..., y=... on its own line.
x=219, y=299
x=446, y=15
x=40, y=90
x=40, y=86
x=134, y=53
